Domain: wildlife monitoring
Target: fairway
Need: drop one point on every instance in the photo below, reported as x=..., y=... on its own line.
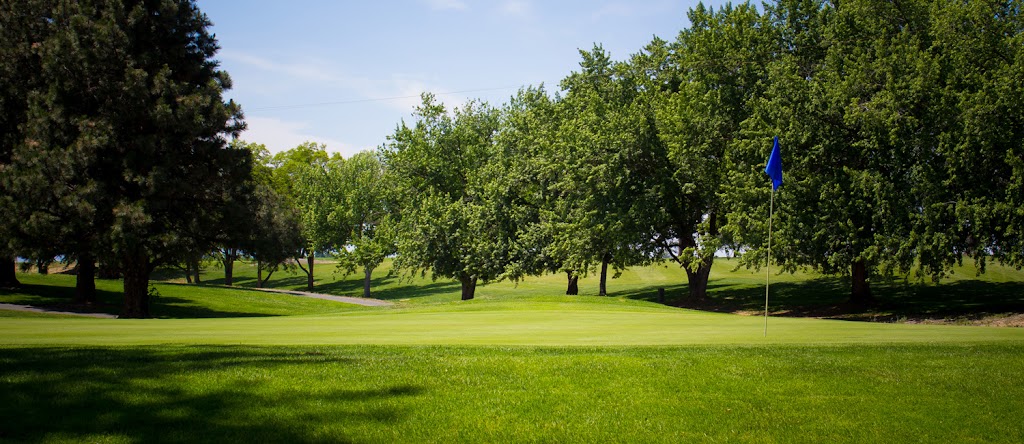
x=548, y=322
x=514, y=365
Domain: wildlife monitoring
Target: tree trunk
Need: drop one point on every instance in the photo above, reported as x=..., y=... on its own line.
x=85, y=279
x=574, y=284
x=188, y=273
x=8, y=273
x=604, y=274
x=698, y=280
x=229, y=266
x=259, y=274
x=309, y=278
x=860, y=292
x=468, y=286
x=106, y=270
x=366, y=282
x=136, y=287
x=195, y=270
x=42, y=266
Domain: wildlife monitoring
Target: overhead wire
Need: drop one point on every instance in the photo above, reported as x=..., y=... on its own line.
x=379, y=99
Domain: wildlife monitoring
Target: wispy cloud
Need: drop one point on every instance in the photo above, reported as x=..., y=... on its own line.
x=301, y=70
x=517, y=8
x=613, y=10
x=397, y=91
x=442, y=5
x=281, y=135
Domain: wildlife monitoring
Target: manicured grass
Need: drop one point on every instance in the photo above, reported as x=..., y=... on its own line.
x=554, y=321
x=865, y=393
x=964, y=292
x=519, y=364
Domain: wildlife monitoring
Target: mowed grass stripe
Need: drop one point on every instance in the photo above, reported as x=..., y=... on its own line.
x=537, y=323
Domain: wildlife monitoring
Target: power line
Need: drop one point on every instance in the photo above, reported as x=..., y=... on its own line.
x=380, y=99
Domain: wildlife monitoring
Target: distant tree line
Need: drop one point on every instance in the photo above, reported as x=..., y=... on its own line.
x=902, y=126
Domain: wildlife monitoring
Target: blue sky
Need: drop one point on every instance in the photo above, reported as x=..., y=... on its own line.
x=344, y=73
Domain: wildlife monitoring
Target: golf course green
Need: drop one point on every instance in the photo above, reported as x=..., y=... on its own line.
x=519, y=364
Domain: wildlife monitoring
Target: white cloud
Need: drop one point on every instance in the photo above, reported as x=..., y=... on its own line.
x=442, y=5
x=613, y=10
x=519, y=8
x=281, y=135
x=397, y=91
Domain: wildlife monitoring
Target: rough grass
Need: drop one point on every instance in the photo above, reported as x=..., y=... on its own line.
x=864, y=393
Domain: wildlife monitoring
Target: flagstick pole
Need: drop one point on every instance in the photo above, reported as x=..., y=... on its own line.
x=768, y=268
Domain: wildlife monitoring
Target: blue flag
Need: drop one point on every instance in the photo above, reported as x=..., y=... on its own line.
x=774, y=167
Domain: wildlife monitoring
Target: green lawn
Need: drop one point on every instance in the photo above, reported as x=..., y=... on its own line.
x=519, y=364
x=550, y=321
x=813, y=394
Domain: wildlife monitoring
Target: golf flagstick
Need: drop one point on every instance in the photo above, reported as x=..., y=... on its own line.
x=774, y=170
x=768, y=267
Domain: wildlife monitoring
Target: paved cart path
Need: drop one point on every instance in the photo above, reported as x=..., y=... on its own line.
x=29, y=308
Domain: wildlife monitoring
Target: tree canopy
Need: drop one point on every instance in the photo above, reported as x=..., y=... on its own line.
x=901, y=129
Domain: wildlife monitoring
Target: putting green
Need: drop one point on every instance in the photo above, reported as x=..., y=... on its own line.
x=491, y=323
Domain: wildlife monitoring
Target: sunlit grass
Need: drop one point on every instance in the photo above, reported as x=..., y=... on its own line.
x=865, y=393
x=521, y=363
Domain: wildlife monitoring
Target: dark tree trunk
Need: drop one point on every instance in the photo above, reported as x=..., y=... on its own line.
x=698, y=280
x=604, y=274
x=8, y=273
x=188, y=273
x=366, y=282
x=195, y=270
x=85, y=279
x=309, y=278
x=860, y=293
x=259, y=274
x=42, y=266
x=574, y=284
x=108, y=271
x=136, y=287
x=468, y=286
x=229, y=266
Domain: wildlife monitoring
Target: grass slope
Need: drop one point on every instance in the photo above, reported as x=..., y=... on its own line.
x=172, y=301
x=964, y=293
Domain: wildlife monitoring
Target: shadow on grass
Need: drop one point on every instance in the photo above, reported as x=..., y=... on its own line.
x=196, y=394
x=61, y=298
x=828, y=297
x=389, y=288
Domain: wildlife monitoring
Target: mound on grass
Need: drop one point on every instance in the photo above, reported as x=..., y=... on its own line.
x=172, y=301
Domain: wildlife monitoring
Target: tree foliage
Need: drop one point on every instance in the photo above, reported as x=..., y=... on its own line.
x=124, y=140
x=448, y=226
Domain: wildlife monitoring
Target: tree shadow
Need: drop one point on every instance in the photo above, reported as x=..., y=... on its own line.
x=61, y=298
x=412, y=291
x=169, y=307
x=194, y=394
x=828, y=297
